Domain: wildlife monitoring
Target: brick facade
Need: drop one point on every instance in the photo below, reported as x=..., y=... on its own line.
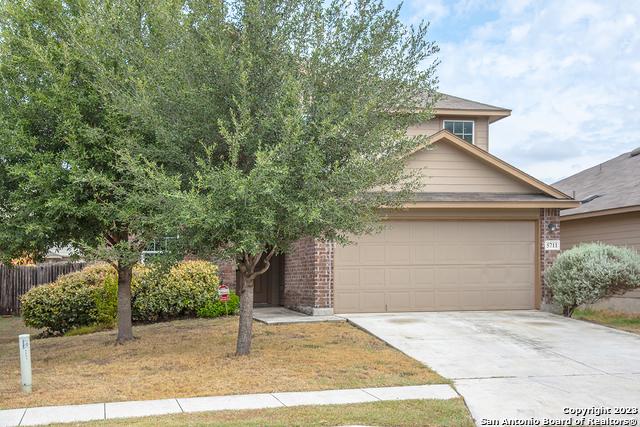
x=308, y=277
x=547, y=218
x=227, y=273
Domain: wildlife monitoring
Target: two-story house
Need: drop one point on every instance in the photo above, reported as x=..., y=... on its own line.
x=477, y=236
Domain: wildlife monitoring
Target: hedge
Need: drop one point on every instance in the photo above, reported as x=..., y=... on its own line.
x=89, y=297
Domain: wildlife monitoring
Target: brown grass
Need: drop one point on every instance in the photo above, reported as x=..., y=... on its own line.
x=11, y=327
x=625, y=321
x=195, y=358
x=404, y=413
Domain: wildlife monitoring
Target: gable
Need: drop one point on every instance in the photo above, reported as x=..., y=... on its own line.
x=447, y=168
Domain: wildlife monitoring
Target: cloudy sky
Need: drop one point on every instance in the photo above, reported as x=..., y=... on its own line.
x=569, y=70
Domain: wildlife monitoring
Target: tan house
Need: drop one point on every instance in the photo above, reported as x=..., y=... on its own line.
x=477, y=236
x=609, y=213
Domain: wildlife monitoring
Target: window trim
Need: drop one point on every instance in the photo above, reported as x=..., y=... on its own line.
x=473, y=127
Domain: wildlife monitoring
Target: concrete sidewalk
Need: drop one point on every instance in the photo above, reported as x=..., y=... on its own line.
x=281, y=315
x=113, y=410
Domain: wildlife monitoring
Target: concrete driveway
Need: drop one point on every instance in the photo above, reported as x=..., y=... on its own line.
x=520, y=365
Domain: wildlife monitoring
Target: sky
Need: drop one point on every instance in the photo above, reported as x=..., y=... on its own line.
x=568, y=69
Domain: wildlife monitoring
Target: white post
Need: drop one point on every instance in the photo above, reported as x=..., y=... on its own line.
x=25, y=362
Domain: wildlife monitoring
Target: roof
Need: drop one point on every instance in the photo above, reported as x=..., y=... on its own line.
x=450, y=102
x=549, y=192
x=615, y=183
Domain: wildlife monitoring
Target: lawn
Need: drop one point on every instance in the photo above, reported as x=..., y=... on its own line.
x=624, y=321
x=195, y=358
x=11, y=327
x=422, y=413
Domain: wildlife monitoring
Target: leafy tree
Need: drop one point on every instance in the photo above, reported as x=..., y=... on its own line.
x=303, y=110
x=77, y=168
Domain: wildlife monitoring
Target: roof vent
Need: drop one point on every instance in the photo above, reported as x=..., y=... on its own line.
x=635, y=152
x=590, y=198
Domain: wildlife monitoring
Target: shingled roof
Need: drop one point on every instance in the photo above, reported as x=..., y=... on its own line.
x=610, y=185
x=450, y=102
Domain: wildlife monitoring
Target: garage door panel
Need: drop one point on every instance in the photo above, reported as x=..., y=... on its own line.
x=444, y=300
x=399, y=301
x=373, y=302
x=372, y=278
x=519, y=253
x=423, y=254
x=423, y=277
x=398, y=254
x=348, y=302
x=424, y=300
x=438, y=265
x=423, y=232
x=398, y=232
x=372, y=254
x=398, y=277
x=472, y=299
x=348, y=255
x=349, y=278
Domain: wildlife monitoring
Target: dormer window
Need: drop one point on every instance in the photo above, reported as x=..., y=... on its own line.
x=461, y=128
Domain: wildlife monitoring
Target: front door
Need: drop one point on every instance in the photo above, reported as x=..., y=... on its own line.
x=266, y=287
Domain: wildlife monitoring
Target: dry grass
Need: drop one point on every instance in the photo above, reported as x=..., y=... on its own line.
x=11, y=327
x=624, y=321
x=195, y=358
x=421, y=413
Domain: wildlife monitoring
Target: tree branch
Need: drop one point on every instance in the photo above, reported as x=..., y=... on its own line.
x=267, y=264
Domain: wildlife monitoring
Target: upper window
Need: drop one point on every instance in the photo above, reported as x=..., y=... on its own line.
x=460, y=128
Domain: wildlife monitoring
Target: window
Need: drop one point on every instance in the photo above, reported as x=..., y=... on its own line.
x=460, y=128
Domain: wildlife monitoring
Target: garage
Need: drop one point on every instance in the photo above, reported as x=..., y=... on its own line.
x=429, y=265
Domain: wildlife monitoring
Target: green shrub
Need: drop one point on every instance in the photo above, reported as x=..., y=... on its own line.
x=69, y=302
x=187, y=287
x=591, y=271
x=107, y=302
x=217, y=308
x=88, y=300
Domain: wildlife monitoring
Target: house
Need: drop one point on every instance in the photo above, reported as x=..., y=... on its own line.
x=609, y=213
x=473, y=238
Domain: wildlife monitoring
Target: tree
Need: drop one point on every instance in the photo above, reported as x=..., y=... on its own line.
x=76, y=168
x=308, y=107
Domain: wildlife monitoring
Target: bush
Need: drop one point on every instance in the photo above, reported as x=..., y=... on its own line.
x=187, y=287
x=591, y=271
x=217, y=308
x=89, y=298
x=73, y=300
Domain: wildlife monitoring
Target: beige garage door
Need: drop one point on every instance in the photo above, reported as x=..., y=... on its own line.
x=438, y=265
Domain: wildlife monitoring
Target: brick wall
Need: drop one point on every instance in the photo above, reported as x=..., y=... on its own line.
x=308, y=277
x=547, y=217
x=227, y=273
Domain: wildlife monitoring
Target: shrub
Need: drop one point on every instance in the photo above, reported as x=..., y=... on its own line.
x=187, y=287
x=88, y=300
x=216, y=308
x=73, y=300
x=591, y=271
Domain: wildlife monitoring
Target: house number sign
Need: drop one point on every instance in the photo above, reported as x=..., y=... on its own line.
x=552, y=245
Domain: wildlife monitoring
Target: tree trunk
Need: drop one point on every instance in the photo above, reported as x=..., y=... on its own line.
x=568, y=310
x=125, y=327
x=243, y=346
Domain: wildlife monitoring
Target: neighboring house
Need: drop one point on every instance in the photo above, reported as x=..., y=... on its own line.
x=473, y=238
x=609, y=213
x=59, y=254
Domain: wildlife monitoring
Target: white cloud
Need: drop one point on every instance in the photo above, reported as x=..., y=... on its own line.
x=433, y=10
x=569, y=70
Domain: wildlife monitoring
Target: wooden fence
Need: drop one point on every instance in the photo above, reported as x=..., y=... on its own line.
x=17, y=280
